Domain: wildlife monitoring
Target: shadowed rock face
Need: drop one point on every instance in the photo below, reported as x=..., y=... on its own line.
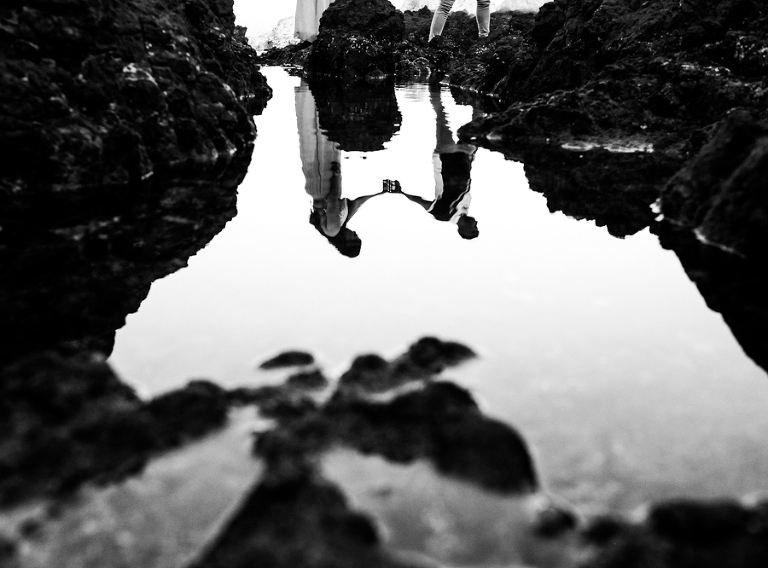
x=98, y=94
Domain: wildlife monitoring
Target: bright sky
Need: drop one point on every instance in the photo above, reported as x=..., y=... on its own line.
x=262, y=15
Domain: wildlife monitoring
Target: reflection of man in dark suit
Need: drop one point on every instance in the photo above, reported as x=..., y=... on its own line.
x=452, y=164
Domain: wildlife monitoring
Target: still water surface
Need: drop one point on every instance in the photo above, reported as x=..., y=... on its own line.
x=599, y=350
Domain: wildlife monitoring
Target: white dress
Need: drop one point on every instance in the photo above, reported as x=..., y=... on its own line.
x=308, y=14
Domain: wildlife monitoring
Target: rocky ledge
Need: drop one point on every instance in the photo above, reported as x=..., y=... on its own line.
x=107, y=93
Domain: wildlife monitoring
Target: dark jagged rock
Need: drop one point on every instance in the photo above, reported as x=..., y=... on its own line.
x=722, y=193
x=288, y=359
x=731, y=285
x=68, y=421
x=358, y=117
x=101, y=94
x=357, y=41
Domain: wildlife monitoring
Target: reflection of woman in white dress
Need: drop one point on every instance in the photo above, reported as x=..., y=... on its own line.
x=321, y=165
x=308, y=14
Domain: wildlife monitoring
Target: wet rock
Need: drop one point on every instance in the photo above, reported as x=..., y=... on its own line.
x=357, y=41
x=721, y=193
x=96, y=95
x=288, y=359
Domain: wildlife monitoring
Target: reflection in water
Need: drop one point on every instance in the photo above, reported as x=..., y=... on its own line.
x=452, y=165
x=731, y=285
x=599, y=349
x=321, y=164
x=359, y=118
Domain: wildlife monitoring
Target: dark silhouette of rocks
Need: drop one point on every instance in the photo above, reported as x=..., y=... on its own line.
x=74, y=268
x=103, y=94
x=294, y=517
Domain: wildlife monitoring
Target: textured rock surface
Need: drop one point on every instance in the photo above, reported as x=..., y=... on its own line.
x=106, y=93
x=357, y=40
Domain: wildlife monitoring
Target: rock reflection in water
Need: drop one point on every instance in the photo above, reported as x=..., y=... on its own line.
x=73, y=270
x=731, y=285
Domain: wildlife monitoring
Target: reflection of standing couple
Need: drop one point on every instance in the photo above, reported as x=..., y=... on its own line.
x=331, y=213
